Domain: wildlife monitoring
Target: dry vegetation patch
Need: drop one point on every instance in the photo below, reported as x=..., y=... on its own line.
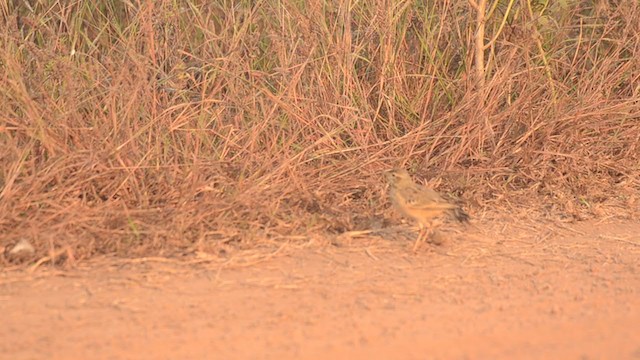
x=170, y=127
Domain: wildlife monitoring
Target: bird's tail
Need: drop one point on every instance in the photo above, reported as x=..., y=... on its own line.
x=460, y=215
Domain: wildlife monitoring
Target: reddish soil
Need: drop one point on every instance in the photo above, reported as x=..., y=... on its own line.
x=513, y=292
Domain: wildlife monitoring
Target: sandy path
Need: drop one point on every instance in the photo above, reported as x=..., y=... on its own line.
x=535, y=294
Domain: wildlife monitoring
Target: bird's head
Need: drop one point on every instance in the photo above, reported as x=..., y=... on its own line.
x=397, y=176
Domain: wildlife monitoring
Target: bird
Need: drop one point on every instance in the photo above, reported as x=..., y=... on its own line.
x=420, y=203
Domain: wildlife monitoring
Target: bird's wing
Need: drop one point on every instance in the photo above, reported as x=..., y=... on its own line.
x=426, y=199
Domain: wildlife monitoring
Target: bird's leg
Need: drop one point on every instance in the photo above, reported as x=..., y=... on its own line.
x=422, y=235
x=433, y=234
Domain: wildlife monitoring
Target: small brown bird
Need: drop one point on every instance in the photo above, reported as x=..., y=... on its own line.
x=420, y=203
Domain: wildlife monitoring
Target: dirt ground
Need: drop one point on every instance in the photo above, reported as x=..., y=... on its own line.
x=506, y=292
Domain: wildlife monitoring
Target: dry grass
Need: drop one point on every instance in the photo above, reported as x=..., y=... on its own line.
x=160, y=127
